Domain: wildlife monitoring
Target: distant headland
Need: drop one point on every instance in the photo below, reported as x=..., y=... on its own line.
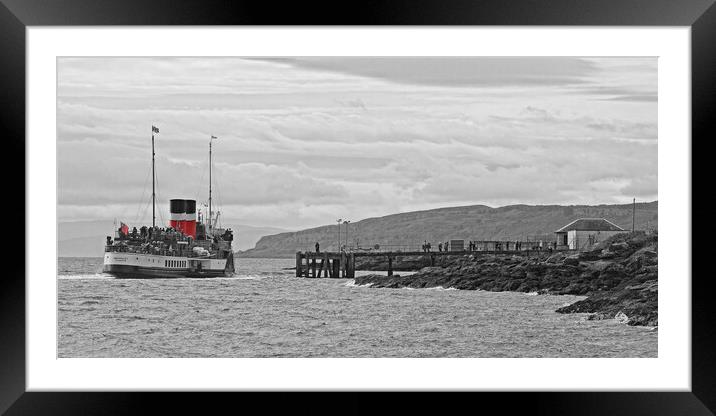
x=474, y=222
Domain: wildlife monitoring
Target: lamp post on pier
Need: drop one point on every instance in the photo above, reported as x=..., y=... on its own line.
x=339, y=232
x=346, y=222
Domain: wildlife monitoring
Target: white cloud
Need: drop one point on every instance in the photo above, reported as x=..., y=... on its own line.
x=303, y=142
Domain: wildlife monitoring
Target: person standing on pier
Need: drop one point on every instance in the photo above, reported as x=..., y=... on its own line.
x=318, y=247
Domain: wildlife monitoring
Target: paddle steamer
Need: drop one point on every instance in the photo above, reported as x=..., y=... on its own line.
x=189, y=246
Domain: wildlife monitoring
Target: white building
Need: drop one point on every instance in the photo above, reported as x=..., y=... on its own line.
x=585, y=232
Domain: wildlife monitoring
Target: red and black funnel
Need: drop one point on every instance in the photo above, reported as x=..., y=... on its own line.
x=183, y=216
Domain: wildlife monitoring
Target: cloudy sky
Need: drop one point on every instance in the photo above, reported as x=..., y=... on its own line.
x=303, y=141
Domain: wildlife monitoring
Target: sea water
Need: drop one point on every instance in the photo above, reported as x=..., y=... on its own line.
x=265, y=311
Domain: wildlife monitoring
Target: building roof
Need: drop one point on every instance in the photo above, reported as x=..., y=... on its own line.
x=590, y=224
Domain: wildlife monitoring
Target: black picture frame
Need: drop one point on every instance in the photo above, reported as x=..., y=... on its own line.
x=699, y=15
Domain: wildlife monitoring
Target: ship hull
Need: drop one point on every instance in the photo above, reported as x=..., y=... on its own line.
x=147, y=266
x=136, y=272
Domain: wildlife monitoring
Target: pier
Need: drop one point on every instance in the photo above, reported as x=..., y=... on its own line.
x=311, y=264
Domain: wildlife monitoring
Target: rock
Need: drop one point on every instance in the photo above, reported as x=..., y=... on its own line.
x=555, y=258
x=621, y=317
x=651, y=269
x=589, y=255
x=431, y=270
x=620, y=246
x=650, y=286
x=599, y=265
x=572, y=260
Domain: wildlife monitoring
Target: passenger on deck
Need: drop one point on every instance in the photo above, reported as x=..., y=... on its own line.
x=228, y=235
x=440, y=247
x=318, y=247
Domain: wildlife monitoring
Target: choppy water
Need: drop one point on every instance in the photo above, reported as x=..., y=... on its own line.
x=266, y=312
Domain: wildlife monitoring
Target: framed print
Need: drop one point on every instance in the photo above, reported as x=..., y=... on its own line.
x=400, y=198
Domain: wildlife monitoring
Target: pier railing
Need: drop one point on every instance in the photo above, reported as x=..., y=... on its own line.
x=528, y=243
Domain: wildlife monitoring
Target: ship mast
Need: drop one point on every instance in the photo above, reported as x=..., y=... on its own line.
x=154, y=198
x=210, y=213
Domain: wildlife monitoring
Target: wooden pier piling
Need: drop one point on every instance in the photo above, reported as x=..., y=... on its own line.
x=331, y=265
x=343, y=264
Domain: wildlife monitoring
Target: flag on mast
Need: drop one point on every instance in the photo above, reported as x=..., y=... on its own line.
x=155, y=129
x=214, y=137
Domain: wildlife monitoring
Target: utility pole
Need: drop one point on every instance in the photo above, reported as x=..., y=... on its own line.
x=633, y=216
x=339, y=233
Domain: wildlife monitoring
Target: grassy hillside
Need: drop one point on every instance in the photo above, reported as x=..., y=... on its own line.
x=476, y=222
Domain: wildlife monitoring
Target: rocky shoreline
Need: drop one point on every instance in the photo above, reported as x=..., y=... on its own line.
x=619, y=277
